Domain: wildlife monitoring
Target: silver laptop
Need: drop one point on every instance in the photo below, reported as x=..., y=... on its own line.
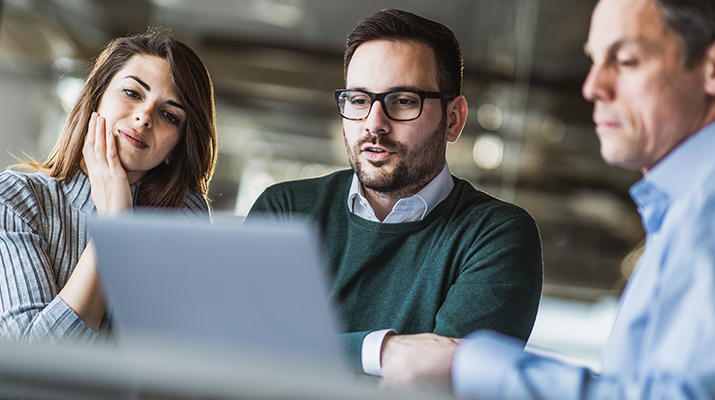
x=257, y=287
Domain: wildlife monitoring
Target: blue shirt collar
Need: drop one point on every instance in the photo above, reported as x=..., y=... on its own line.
x=681, y=171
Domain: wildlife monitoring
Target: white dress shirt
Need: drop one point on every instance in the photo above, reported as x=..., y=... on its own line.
x=413, y=208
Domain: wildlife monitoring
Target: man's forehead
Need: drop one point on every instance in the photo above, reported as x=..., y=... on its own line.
x=625, y=23
x=384, y=65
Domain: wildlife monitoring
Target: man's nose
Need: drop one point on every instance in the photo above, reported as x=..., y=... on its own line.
x=377, y=121
x=598, y=85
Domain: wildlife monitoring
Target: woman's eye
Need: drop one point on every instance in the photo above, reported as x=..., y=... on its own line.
x=131, y=93
x=171, y=118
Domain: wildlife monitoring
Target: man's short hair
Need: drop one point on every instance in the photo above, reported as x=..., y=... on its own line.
x=398, y=25
x=694, y=23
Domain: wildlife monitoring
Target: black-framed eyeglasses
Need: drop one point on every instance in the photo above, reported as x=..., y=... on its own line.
x=399, y=105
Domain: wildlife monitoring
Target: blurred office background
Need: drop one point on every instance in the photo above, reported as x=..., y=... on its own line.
x=529, y=138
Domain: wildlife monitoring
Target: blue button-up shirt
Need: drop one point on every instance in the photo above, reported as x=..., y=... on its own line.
x=663, y=341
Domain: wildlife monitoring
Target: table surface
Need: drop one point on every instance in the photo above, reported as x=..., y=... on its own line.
x=161, y=370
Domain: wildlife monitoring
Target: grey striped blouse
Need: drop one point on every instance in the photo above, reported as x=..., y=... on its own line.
x=43, y=233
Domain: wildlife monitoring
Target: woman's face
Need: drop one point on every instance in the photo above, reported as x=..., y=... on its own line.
x=142, y=110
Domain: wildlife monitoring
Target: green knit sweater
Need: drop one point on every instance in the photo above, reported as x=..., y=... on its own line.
x=474, y=262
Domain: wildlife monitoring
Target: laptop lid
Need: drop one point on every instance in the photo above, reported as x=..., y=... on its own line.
x=257, y=287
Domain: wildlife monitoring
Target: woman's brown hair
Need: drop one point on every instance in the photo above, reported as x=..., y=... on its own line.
x=193, y=159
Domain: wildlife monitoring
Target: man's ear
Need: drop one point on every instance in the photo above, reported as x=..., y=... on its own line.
x=710, y=70
x=457, y=111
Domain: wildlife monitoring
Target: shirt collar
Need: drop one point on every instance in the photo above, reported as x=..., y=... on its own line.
x=664, y=182
x=691, y=158
x=427, y=199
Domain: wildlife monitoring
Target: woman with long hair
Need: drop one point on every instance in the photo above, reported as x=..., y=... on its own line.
x=142, y=133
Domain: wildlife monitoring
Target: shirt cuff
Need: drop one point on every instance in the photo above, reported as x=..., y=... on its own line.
x=489, y=365
x=482, y=362
x=372, y=351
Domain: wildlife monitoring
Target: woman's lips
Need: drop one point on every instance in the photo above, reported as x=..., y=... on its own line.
x=132, y=138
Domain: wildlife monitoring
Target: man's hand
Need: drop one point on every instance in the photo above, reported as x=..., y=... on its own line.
x=417, y=360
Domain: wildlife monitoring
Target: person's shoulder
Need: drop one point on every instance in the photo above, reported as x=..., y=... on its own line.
x=304, y=196
x=15, y=183
x=688, y=232
x=311, y=186
x=196, y=203
x=699, y=204
x=24, y=193
x=476, y=201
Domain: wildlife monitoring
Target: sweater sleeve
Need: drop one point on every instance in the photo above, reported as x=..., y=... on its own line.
x=352, y=344
x=30, y=308
x=499, y=282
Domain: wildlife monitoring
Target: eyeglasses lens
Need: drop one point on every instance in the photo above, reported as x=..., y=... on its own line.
x=398, y=105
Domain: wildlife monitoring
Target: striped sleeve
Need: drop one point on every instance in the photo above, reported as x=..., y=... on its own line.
x=30, y=309
x=195, y=204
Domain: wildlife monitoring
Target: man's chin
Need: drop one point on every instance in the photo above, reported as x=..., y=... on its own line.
x=377, y=180
x=375, y=169
x=373, y=179
x=618, y=159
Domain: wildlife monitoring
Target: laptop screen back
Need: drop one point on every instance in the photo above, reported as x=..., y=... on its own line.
x=258, y=287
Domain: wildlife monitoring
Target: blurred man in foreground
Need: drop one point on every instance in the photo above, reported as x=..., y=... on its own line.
x=652, y=83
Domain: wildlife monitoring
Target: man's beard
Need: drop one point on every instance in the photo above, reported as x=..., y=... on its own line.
x=413, y=170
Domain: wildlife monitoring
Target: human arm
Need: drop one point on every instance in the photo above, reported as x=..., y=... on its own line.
x=497, y=288
x=661, y=345
x=417, y=360
x=487, y=365
x=498, y=278
x=111, y=194
x=37, y=251
x=476, y=281
x=478, y=266
x=474, y=263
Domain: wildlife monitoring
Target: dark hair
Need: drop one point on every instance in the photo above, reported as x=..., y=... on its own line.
x=193, y=159
x=392, y=24
x=694, y=22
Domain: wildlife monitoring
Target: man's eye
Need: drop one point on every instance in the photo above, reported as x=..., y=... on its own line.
x=404, y=102
x=356, y=101
x=630, y=62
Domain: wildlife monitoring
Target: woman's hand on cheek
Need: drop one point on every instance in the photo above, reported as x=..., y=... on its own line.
x=110, y=186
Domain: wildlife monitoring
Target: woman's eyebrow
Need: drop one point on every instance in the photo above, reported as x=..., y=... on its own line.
x=175, y=104
x=148, y=89
x=141, y=82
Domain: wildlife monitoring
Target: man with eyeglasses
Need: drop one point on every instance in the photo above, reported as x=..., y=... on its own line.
x=412, y=251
